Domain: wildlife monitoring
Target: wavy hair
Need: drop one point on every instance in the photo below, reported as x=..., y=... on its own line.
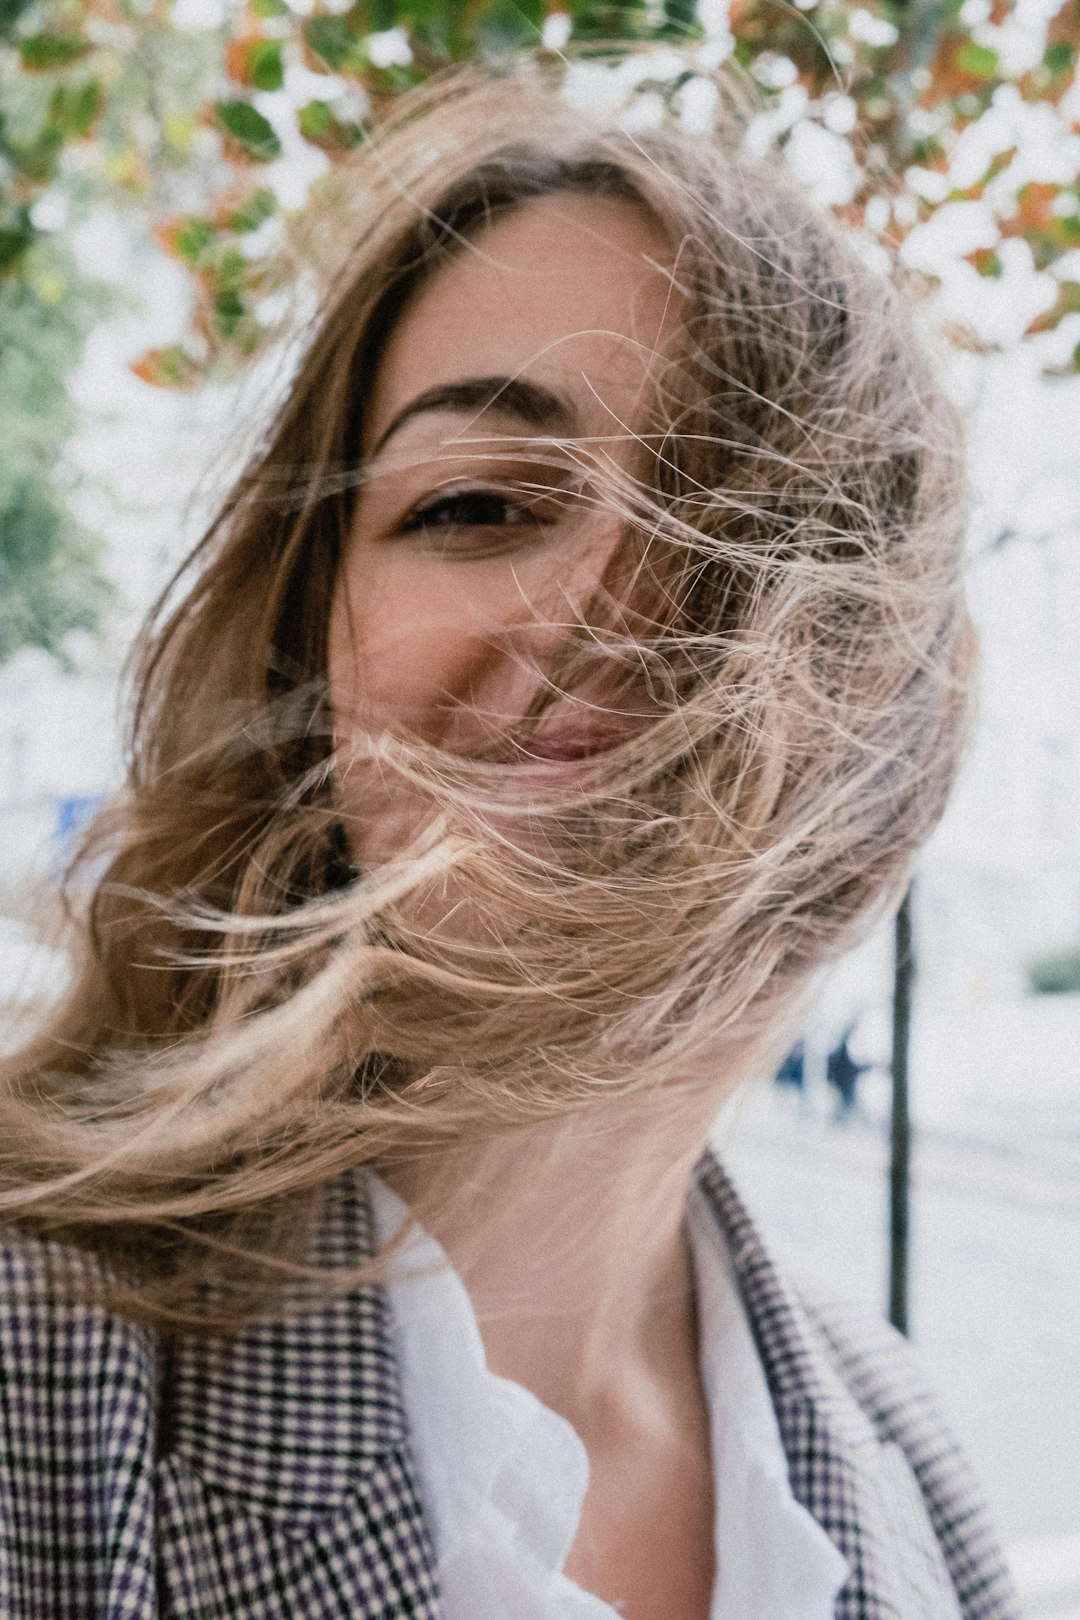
x=250, y=1013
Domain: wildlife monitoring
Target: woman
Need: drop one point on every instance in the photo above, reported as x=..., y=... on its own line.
x=572, y=674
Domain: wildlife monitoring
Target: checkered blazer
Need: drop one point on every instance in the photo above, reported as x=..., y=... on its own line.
x=268, y=1477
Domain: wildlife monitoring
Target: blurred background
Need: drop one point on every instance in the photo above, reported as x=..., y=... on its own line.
x=167, y=173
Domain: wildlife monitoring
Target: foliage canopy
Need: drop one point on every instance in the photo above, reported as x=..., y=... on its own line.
x=203, y=103
x=51, y=581
x=201, y=113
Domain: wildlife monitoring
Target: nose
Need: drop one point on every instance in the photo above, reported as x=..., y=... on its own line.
x=493, y=680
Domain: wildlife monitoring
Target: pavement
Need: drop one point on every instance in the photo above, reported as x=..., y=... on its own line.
x=994, y=1287
x=1047, y=1572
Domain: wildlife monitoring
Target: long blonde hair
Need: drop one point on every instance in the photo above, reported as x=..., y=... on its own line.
x=251, y=1015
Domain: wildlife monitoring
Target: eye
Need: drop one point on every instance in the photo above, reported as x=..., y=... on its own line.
x=455, y=517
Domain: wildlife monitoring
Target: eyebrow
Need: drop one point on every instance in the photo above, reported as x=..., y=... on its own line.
x=529, y=401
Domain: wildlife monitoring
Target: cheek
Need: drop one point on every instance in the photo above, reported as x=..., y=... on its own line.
x=381, y=676
x=411, y=641
x=416, y=641
x=387, y=660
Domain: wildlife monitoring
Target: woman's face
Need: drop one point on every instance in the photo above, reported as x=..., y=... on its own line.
x=472, y=552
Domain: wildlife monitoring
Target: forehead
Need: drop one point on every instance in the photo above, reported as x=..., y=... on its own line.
x=571, y=291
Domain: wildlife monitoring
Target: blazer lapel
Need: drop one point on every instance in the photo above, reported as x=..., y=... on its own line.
x=285, y=1485
x=859, y=1488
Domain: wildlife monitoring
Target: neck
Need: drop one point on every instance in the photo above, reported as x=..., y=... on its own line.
x=569, y=1239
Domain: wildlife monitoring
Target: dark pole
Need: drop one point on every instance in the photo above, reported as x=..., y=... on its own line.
x=900, y=1133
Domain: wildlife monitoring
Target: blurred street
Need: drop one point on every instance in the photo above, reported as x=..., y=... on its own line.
x=995, y=1281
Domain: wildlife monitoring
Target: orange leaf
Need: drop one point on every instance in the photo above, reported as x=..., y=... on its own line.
x=987, y=261
x=740, y=12
x=1067, y=302
x=236, y=56
x=1035, y=205
x=226, y=204
x=167, y=233
x=171, y=367
x=955, y=70
x=1064, y=25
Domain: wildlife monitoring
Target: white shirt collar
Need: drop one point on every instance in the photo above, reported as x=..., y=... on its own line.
x=773, y=1559
x=503, y=1477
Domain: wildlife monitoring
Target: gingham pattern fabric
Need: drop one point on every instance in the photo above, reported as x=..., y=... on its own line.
x=268, y=1476
x=869, y=1452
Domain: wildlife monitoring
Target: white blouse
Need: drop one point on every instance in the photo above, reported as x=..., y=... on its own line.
x=503, y=1477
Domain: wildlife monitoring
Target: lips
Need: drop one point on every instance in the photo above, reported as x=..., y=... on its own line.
x=572, y=743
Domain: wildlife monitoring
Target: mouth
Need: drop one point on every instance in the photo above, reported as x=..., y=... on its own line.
x=569, y=743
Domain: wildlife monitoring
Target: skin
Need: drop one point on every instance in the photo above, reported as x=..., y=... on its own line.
x=447, y=614
x=477, y=536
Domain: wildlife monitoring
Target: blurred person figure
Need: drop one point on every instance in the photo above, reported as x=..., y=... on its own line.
x=842, y=1071
x=792, y=1071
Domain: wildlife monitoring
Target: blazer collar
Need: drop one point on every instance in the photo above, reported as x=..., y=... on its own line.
x=287, y=1413
x=855, y=1481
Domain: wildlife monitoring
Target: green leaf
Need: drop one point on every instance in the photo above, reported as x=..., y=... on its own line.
x=228, y=310
x=50, y=577
x=320, y=125
x=610, y=20
x=16, y=235
x=74, y=107
x=266, y=70
x=38, y=160
x=316, y=119
x=251, y=131
x=193, y=237
x=10, y=12
x=680, y=22
x=509, y=25
x=1059, y=57
x=382, y=14
x=252, y=213
x=268, y=8
x=40, y=52
x=680, y=16
x=446, y=29
x=395, y=79
x=333, y=41
x=980, y=61
x=231, y=267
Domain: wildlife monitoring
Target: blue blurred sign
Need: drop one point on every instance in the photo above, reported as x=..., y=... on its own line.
x=73, y=812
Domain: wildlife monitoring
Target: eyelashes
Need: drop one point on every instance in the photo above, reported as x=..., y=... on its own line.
x=480, y=520
x=471, y=508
